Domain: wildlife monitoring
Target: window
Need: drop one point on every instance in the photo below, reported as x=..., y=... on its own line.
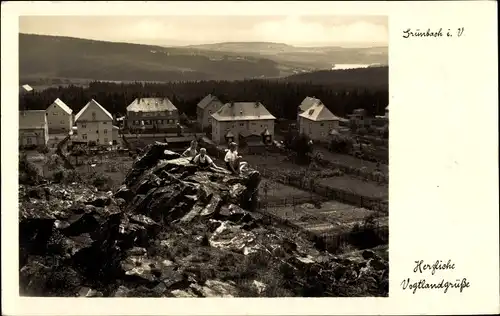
x=242, y=124
x=97, y=141
x=253, y=123
x=84, y=136
x=28, y=140
x=97, y=131
x=210, y=112
x=322, y=124
x=105, y=131
x=84, y=125
x=62, y=122
x=104, y=123
x=209, y=121
x=105, y=140
x=54, y=113
x=93, y=116
x=159, y=122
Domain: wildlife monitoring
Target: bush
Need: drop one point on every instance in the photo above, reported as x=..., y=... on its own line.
x=341, y=144
x=65, y=176
x=43, y=149
x=101, y=182
x=28, y=172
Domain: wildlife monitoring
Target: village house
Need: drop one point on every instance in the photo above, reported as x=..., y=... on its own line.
x=152, y=114
x=242, y=118
x=318, y=122
x=94, y=125
x=59, y=117
x=305, y=105
x=359, y=118
x=33, y=128
x=205, y=108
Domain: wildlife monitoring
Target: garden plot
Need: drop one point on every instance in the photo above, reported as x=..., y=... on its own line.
x=286, y=194
x=356, y=186
x=331, y=218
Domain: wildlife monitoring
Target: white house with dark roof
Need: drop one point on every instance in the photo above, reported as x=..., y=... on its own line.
x=33, y=128
x=59, y=117
x=318, y=122
x=94, y=124
x=152, y=113
x=205, y=108
x=250, y=118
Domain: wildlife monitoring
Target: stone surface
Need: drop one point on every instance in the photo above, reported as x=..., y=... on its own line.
x=174, y=231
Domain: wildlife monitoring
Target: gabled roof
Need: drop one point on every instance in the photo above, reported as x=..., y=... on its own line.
x=27, y=87
x=243, y=111
x=319, y=112
x=207, y=100
x=308, y=102
x=92, y=102
x=151, y=105
x=32, y=119
x=62, y=105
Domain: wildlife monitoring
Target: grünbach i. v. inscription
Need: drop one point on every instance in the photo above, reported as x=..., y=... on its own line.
x=432, y=33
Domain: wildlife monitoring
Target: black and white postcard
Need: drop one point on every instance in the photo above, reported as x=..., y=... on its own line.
x=230, y=157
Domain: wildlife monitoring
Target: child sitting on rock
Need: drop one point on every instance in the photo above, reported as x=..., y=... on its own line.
x=191, y=151
x=233, y=160
x=203, y=161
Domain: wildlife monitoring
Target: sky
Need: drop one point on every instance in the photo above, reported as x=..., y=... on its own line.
x=193, y=30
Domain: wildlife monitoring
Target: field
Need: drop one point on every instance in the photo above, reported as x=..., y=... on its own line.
x=331, y=217
x=363, y=188
x=283, y=194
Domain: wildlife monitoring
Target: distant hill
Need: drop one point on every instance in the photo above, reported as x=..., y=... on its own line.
x=371, y=77
x=68, y=58
x=308, y=57
x=64, y=57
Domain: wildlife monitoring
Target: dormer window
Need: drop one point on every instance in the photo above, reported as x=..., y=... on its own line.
x=311, y=112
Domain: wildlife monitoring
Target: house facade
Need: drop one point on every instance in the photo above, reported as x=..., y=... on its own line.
x=152, y=114
x=94, y=124
x=59, y=117
x=205, y=108
x=33, y=128
x=359, y=118
x=248, y=118
x=318, y=122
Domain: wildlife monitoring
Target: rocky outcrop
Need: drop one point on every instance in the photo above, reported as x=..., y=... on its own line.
x=174, y=231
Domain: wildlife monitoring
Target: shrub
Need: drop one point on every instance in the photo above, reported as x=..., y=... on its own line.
x=28, y=172
x=43, y=149
x=101, y=182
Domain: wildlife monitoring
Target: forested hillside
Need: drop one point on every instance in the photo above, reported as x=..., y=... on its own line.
x=280, y=97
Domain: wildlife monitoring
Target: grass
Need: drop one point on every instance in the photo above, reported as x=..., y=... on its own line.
x=357, y=186
x=279, y=192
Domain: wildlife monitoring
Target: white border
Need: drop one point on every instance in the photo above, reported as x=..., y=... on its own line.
x=443, y=164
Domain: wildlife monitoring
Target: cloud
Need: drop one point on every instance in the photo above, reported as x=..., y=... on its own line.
x=295, y=30
x=292, y=30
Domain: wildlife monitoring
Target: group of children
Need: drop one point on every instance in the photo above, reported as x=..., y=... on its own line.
x=203, y=161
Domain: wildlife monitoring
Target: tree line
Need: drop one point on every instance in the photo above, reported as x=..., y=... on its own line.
x=280, y=98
